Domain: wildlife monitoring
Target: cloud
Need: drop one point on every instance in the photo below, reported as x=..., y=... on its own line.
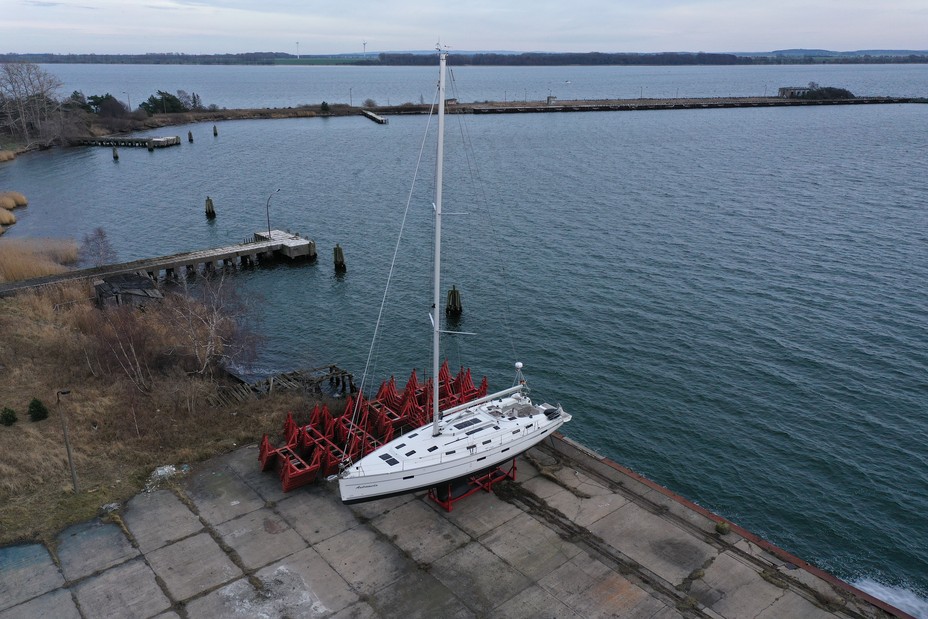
x=213, y=26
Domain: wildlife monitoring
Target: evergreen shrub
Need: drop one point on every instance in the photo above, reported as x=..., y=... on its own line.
x=37, y=410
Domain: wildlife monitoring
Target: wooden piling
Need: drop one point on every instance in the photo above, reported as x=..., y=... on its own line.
x=215, y=131
x=151, y=146
x=190, y=136
x=339, y=258
x=210, y=210
x=115, y=154
x=453, y=307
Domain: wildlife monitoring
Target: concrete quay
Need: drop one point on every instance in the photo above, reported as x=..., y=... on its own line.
x=576, y=536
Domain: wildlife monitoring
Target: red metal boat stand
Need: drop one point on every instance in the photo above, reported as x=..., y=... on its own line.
x=453, y=491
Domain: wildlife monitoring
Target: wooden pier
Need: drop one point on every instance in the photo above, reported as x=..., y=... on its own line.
x=261, y=246
x=142, y=142
x=380, y=120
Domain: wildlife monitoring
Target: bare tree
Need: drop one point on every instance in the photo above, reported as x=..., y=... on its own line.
x=27, y=102
x=96, y=249
x=185, y=99
x=215, y=324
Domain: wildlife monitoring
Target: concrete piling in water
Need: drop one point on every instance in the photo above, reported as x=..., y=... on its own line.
x=210, y=210
x=339, y=257
x=190, y=136
x=453, y=306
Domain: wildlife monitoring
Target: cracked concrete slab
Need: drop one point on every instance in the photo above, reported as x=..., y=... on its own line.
x=260, y=537
x=482, y=580
x=366, y=560
x=316, y=514
x=127, y=590
x=414, y=528
x=57, y=604
x=219, y=494
x=308, y=572
x=158, y=518
x=92, y=546
x=529, y=546
x=28, y=571
x=192, y=565
x=658, y=544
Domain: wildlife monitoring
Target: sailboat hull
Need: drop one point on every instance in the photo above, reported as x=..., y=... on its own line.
x=457, y=453
x=395, y=485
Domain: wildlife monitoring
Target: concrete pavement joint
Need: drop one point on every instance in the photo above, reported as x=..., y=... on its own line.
x=548, y=472
x=230, y=552
x=765, y=568
x=115, y=518
x=573, y=533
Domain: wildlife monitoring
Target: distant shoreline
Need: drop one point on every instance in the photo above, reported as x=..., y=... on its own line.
x=790, y=57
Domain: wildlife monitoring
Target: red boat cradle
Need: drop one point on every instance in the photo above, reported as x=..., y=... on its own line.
x=318, y=447
x=448, y=494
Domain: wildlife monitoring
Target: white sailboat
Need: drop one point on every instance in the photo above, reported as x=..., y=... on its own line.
x=461, y=440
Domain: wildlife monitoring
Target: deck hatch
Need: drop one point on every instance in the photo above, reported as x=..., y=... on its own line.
x=389, y=459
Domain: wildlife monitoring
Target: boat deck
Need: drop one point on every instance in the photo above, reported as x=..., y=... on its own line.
x=575, y=536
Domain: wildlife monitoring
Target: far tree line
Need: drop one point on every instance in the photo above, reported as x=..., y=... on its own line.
x=31, y=114
x=488, y=58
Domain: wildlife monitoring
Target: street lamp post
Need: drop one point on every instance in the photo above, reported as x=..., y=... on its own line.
x=267, y=208
x=67, y=440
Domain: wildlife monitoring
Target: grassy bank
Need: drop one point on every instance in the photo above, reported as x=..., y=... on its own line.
x=110, y=126
x=127, y=413
x=24, y=259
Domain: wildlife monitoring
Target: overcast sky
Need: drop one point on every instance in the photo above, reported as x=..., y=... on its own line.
x=338, y=26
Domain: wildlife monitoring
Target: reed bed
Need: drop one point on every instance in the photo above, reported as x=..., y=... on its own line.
x=24, y=259
x=7, y=155
x=14, y=198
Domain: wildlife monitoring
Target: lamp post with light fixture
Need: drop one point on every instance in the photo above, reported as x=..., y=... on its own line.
x=67, y=440
x=267, y=208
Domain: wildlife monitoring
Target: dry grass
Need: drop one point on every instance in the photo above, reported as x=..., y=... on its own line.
x=24, y=259
x=6, y=217
x=119, y=434
x=7, y=155
x=7, y=202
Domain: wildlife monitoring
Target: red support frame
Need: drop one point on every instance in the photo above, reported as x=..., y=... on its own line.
x=459, y=489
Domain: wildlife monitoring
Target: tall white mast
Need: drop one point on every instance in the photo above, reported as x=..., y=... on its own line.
x=436, y=291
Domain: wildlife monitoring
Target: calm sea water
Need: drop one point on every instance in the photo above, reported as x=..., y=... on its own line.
x=283, y=86
x=731, y=302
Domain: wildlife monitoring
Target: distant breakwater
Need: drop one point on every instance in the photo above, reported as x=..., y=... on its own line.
x=502, y=107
